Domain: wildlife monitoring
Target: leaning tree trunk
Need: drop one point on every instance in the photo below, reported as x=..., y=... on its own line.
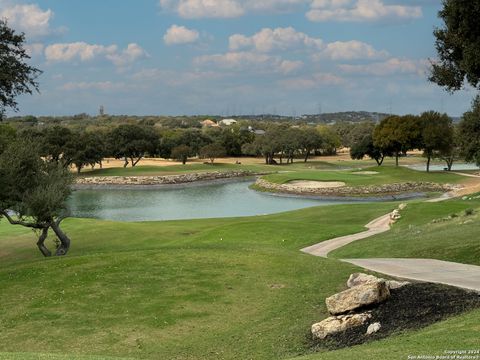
x=43, y=226
x=449, y=165
x=380, y=160
x=135, y=162
x=41, y=243
x=449, y=161
x=64, y=239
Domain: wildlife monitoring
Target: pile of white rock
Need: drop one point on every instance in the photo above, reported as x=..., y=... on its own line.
x=363, y=290
x=395, y=214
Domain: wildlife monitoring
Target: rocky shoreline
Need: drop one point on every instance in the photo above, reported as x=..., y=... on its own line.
x=365, y=191
x=132, y=181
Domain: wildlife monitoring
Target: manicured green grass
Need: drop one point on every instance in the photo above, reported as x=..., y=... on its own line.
x=151, y=170
x=38, y=356
x=146, y=170
x=386, y=175
x=425, y=231
x=200, y=289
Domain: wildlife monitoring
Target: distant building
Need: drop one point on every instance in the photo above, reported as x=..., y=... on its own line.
x=256, y=132
x=101, y=111
x=228, y=122
x=209, y=123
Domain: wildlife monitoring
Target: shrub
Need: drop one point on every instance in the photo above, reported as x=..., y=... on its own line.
x=469, y=212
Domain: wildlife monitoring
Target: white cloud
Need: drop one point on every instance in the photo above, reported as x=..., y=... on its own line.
x=195, y=9
x=274, y=5
x=289, y=66
x=99, y=85
x=86, y=52
x=360, y=10
x=76, y=51
x=127, y=56
x=234, y=60
x=284, y=39
x=248, y=61
x=267, y=40
x=350, y=50
x=313, y=81
x=180, y=35
x=28, y=18
x=389, y=67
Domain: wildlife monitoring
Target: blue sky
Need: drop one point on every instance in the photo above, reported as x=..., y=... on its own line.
x=231, y=57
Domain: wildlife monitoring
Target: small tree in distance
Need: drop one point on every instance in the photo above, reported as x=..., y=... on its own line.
x=132, y=142
x=437, y=135
x=181, y=153
x=366, y=147
x=386, y=139
x=212, y=152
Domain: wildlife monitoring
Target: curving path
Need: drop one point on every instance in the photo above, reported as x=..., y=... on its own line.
x=377, y=226
x=429, y=270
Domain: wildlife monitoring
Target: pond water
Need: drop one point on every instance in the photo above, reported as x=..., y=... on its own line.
x=186, y=202
x=455, y=167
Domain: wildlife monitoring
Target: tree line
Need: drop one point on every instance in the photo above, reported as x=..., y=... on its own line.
x=431, y=132
x=133, y=142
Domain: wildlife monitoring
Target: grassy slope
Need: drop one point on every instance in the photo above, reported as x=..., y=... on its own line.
x=416, y=236
x=386, y=174
x=220, y=288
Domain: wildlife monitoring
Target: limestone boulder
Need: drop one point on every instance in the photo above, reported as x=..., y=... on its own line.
x=356, y=279
x=357, y=297
x=373, y=328
x=393, y=284
x=336, y=324
x=395, y=215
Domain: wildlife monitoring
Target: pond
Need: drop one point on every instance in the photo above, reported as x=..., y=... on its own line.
x=228, y=199
x=455, y=167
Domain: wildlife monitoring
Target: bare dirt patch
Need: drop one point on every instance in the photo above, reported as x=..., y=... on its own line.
x=304, y=184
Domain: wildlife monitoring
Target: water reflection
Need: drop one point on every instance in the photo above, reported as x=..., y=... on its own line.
x=207, y=201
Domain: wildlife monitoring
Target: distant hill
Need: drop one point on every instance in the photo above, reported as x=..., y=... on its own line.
x=327, y=118
x=347, y=116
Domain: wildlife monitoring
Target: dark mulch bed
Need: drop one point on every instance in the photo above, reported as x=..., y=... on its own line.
x=411, y=307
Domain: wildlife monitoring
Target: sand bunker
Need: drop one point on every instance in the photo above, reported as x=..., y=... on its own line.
x=365, y=173
x=315, y=184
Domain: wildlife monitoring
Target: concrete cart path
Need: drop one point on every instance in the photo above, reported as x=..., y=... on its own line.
x=377, y=226
x=429, y=270
x=436, y=271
